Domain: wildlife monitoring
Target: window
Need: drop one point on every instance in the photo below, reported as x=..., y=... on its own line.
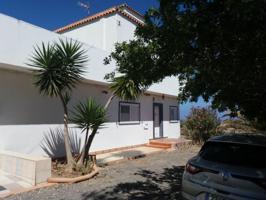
x=129, y=113
x=174, y=113
x=244, y=155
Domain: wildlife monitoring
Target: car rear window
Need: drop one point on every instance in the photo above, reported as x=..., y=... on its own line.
x=234, y=154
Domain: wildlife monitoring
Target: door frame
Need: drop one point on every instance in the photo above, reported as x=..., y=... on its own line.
x=160, y=119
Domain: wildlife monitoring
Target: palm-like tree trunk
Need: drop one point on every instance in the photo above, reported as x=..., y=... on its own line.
x=70, y=160
x=83, y=152
x=88, y=146
x=109, y=101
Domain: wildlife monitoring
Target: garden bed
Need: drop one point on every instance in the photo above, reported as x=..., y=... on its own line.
x=60, y=173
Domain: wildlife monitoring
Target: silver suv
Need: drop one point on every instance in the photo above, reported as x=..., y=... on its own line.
x=227, y=167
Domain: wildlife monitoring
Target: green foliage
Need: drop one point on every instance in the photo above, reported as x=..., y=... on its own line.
x=59, y=66
x=216, y=48
x=129, y=85
x=130, y=59
x=200, y=124
x=125, y=88
x=83, y=169
x=88, y=115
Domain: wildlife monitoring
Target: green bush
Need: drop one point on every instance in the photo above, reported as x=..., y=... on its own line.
x=200, y=124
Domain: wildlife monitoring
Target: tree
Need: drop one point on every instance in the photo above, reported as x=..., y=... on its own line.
x=89, y=117
x=216, y=48
x=123, y=87
x=59, y=69
x=200, y=124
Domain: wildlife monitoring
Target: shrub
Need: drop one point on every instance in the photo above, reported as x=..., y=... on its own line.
x=200, y=124
x=241, y=125
x=238, y=125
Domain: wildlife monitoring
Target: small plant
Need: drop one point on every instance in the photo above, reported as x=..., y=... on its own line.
x=89, y=117
x=84, y=169
x=200, y=124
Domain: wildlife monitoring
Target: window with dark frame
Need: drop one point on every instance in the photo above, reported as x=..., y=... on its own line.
x=174, y=113
x=129, y=113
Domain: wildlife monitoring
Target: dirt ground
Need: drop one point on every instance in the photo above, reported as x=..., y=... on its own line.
x=156, y=176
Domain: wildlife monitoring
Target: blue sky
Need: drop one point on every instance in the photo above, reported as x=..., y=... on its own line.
x=52, y=14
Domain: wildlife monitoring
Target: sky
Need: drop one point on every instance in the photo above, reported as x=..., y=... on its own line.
x=53, y=14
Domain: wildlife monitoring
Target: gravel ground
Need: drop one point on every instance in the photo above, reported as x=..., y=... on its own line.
x=156, y=176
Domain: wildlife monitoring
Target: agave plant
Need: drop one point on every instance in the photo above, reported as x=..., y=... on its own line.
x=59, y=67
x=89, y=117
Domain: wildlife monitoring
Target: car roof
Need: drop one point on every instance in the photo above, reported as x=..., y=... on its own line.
x=243, y=138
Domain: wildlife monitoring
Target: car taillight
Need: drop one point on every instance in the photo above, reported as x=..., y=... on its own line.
x=192, y=169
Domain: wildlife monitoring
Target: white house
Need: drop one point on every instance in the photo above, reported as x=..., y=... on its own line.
x=26, y=116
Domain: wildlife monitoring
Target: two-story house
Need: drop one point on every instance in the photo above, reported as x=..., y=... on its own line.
x=26, y=116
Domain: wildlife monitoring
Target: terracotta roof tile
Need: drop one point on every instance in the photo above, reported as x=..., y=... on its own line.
x=132, y=10
x=116, y=9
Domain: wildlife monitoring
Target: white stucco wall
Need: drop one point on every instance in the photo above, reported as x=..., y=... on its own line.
x=126, y=30
x=25, y=116
x=104, y=32
x=18, y=38
x=92, y=33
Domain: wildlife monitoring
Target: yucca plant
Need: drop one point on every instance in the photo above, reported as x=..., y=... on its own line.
x=89, y=117
x=59, y=67
x=124, y=88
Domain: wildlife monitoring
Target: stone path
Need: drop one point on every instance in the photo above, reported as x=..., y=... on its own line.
x=10, y=184
x=129, y=154
x=157, y=176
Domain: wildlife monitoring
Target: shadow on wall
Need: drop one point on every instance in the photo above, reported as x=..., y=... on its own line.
x=165, y=185
x=24, y=105
x=53, y=142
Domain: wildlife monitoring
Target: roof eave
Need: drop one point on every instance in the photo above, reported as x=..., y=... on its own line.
x=99, y=15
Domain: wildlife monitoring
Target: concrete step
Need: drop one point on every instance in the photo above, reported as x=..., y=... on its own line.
x=158, y=146
x=168, y=145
